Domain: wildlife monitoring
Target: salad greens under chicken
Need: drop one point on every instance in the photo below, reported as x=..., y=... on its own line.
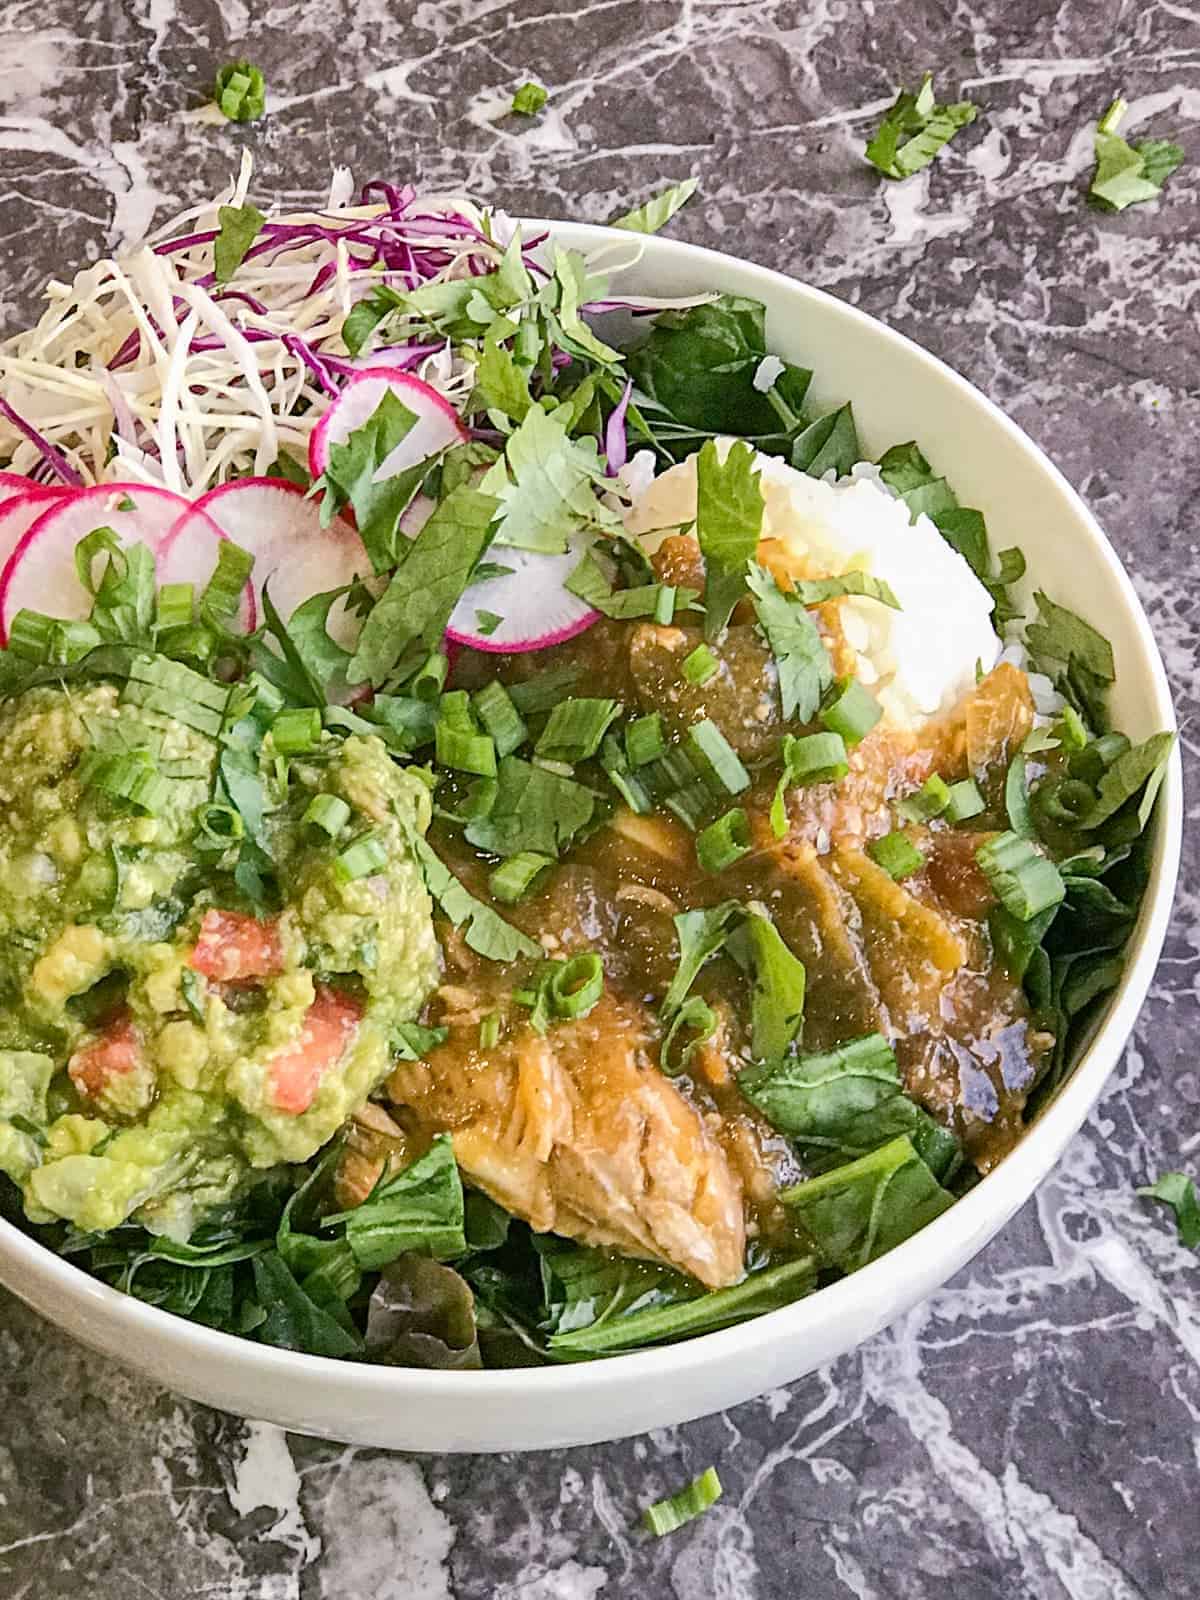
x=521, y=839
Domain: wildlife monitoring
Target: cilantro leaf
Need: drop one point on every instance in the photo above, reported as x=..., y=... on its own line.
x=545, y=485
x=533, y=810
x=350, y=477
x=417, y=603
x=529, y=100
x=814, y=591
x=1176, y=1189
x=1143, y=765
x=914, y=129
x=239, y=227
x=801, y=659
x=777, y=995
x=729, y=512
x=486, y=931
x=1128, y=174
x=656, y=212
x=570, y=289
x=501, y=384
x=701, y=934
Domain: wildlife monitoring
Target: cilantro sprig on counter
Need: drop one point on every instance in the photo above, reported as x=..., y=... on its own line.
x=1127, y=175
x=914, y=129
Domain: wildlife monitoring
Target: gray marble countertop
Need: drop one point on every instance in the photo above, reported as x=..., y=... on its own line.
x=1034, y=1430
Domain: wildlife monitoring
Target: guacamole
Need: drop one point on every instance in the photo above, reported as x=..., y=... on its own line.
x=169, y=1022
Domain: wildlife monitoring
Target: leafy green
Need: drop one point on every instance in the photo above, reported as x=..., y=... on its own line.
x=486, y=933
x=349, y=478
x=801, y=659
x=240, y=91
x=545, y=486
x=529, y=100
x=416, y=605
x=815, y=591
x=501, y=384
x=238, y=229
x=420, y=1208
x=729, y=513
x=830, y=444
x=846, y=1102
x=658, y=211
x=590, y=583
x=569, y=290
x=1176, y=1189
x=123, y=596
x=422, y=1314
x=294, y=1320
x=1141, y=767
x=1127, y=174
x=701, y=934
x=533, y=810
x=858, y=1212
x=777, y=992
x=914, y=129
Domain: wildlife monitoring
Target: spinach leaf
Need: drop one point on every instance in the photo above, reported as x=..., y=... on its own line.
x=830, y=444
x=729, y=513
x=858, y=1212
x=1176, y=1190
x=777, y=992
x=294, y=1320
x=419, y=1209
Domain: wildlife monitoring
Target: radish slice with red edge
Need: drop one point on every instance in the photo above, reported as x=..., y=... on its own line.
x=535, y=608
x=188, y=554
x=40, y=573
x=18, y=513
x=293, y=554
x=437, y=427
x=16, y=483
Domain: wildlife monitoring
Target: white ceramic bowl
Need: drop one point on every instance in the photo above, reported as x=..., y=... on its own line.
x=899, y=392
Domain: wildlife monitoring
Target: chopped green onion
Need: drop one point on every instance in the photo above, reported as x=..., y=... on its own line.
x=576, y=728
x=672, y=771
x=1092, y=762
x=544, y=691
x=699, y=667
x=71, y=641
x=495, y=709
x=487, y=622
x=175, y=606
x=1024, y=880
x=240, y=92
x=514, y=878
x=176, y=691
x=130, y=776
x=328, y=812
x=963, y=800
x=30, y=634
x=489, y=1031
x=267, y=698
x=1064, y=803
x=366, y=855
x=222, y=596
x=664, y=605
x=219, y=827
x=528, y=100
x=1071, y=729
x=296, y=732
x=929, y=801
x=716, y=757
x=691, y=1502
x=851, y=711
x=576, y=985
x=896, y=854
x=464, y=750
x=645, y=740
x=691, y=804
x=630, y=787
x=427, y=682
x=815, y=758
x=454, y=709
x=723, y=842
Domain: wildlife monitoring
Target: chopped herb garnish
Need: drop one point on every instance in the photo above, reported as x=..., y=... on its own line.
x=801, y=659
x=240, y=92
x=486, y=933
x=239, y=227
x=914, y=129
x=729, y=513
x=533, y=810
x=575, y=729
x=664, y=1516
x=723, y=842
x=1025, y=881
x=896, y=854
x=851, y=711
x=529, y=100
x=927, y=802
x=700, y=666
x=487, y=622
x=645, y=740
x=658, y=211
x=1128, y=174
x=513, y=879
x=1176, y=1189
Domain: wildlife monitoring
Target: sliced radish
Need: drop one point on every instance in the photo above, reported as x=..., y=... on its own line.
x=293, y=553
x=18, y=513
x=40, y=573
x=535, y=607
x=14, y=483
x=438, y=425
x=188, y=554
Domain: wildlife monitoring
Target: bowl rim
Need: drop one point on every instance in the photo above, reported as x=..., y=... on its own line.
x=849, y=1298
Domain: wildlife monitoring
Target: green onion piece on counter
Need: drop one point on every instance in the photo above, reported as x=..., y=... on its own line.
x=963, y=800
x=240, y=92
x=296, y=732
x=576, y=985
x=896, y=854
x=575, y=729
x=851, y=711
x=327, y=812
x=1024, y=880
x=174, y=606
x=699, y=667
x=716, y=757
x=723, y=842
x=929, y=801
x=645, y=740
x=664, y=605
x=495, y=709
x=529, y=100
x=514, y=878
x=489, y=1031
x=626, y=782
x=30, y=634
x=690, y=1502
x=366, y=855
x=428, y=681
x=219, y=827
x=815, y=758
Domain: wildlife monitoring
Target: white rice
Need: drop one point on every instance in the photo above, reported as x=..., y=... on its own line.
x=917, y=661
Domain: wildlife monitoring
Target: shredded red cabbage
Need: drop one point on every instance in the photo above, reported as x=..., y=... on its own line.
x=51, y=455
x=616, y=441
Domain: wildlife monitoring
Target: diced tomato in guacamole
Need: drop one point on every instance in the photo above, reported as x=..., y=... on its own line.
x=233, y=946
x=295, y=1073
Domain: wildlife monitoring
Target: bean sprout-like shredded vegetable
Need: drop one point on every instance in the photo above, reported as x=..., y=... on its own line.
x=144, y=368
